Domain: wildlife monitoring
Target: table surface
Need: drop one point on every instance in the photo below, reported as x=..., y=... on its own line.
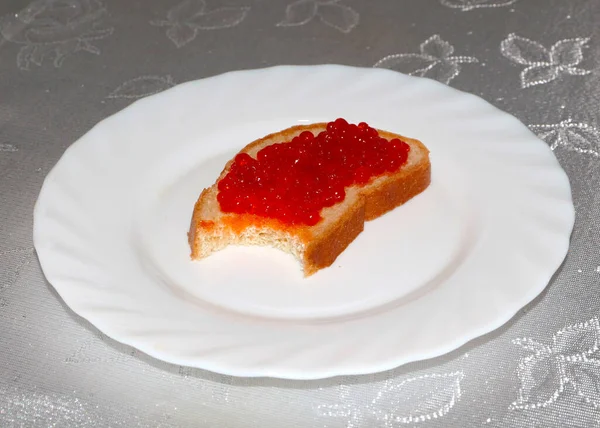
x=67, y=64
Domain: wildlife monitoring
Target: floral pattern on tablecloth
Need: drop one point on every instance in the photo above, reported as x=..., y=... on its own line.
x=67, y=64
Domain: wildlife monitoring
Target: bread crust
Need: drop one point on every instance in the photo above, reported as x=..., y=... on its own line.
x=323, y=250
x=320, y=247
x=398, y=188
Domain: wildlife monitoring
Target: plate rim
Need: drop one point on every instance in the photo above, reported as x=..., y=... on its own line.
x=98, y=323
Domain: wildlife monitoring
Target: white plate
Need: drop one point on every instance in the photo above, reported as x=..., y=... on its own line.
x=455, y=262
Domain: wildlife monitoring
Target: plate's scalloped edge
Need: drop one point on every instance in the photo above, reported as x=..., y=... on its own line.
x=279, y=369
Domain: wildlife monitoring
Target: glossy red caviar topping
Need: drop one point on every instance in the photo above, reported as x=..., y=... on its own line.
x=294, y=181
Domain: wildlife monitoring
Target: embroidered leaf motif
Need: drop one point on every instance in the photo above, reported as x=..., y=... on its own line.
x=445, y=71
x=220, y=18
x=330, y=12
x=97, y=34
x=436, y=47
x=568, y=52
x=299, y=13
x=181, y=34
x=24, y=57
x=544, y=65
x=142, y=86
x=338, y=16
x=569, y=360
x=577, y=137
x=84, y=46
x=583, y=139
x=541, y=381
x=568, y=411
x=413, y=64
x=466, y=5
x=55, y=30
x=353, y=415
x=435, y=61
x=418, y=399
x=578, y=339
x=185, y=19
x=585, y=377
x=524, y=51
x=536, y=75
x=62, y=52
x=396, y=402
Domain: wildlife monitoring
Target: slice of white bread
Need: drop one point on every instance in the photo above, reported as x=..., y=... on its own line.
x=316, y=247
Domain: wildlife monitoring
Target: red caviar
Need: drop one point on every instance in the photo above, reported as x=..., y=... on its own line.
x=294, y=181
